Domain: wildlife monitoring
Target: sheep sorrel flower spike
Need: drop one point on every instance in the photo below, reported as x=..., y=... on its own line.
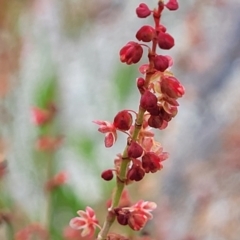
x=159, y=90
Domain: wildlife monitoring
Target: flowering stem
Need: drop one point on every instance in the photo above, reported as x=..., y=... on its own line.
x=48, y=214
x=121, y=179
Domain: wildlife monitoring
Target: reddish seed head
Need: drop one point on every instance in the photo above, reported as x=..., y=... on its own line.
x=172, y=5
x=107, y=175
x=154, y=111
x=131, y=53
x=143, y=11
x=172, y=87
x=134, y=150
x=165, y=116
x=122, y=216
x=161, y=63
x=165, y=41
x=151, y=162
x=148, y=100
x=135, y=173
x=145, y=34
x=155, y=121
x=123, y=120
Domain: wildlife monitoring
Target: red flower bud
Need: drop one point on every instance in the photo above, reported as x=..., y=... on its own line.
x=172, y=5
x=141, y=85
x=131, y=53
x=135, y=173
x=143, y=11
x=154, y=111
x=107, y=175
x=148, y=100
x=145, y=34
x=122, y=216
x=162, y=28
x=161, y=63
x=165, y=41
x=151, y=162
x=155, y=121
x=123, y=120
x=172, y=87
x=134, y=150
x=165, y=116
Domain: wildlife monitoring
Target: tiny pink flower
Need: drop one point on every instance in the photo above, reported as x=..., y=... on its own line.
x=109, y=130
x=172, y=5
x=140, y=213
x=40, y=116
x=48, y=143
x=87, y=222
x=58, y=180
x=143, y=10
x=144, y=207
x=143, y=68
x=137, y=221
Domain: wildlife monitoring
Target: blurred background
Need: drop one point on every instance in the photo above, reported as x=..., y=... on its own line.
x=67, y=53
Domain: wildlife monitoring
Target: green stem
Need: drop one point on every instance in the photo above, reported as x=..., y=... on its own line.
x=48, y=214
x=120, y=180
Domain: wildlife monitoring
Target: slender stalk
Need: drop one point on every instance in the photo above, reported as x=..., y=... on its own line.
x=49, y=175
x=120, y=180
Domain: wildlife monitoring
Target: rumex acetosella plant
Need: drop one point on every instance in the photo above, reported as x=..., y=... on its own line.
x=159, y=90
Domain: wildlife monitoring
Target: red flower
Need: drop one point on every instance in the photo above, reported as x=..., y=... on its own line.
x=165, y=41
x=151, y=162
x=172, y=5
x=135, y=173
x=134, y=150
x=58, y=180
x=172, y=87
x=145, y=34
x=143, y=11
x=87, y=222
x=161, y=63
x=148, y=100
x=107, y=175
x=123, y=120
x=131, y=53
x=155, y=121
x=140, y=213
x=109, y=130
x=48, y=143
x=28, y=232
x=40, y=116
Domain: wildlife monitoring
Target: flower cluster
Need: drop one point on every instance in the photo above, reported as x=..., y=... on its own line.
x=159, y=92
x=135, y=216
x=87, y=222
